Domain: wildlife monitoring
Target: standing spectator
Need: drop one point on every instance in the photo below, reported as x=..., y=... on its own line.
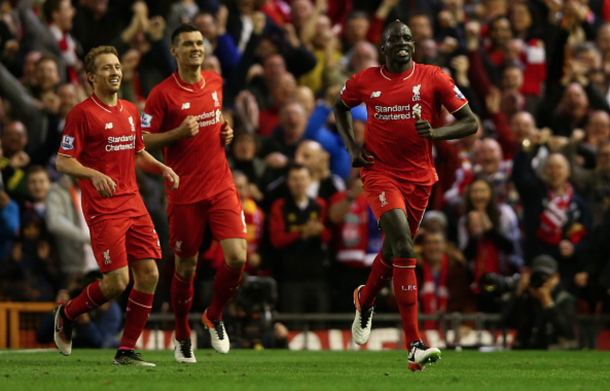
x=66, y=222
x=243, y=159
x=281, y=90
x=440, y=293
x=489, y=233
x=255, y=219
x=556, y=218
x=357, y=239
x=59, y=15
x=9, y=222
x=39, y=184
x=297, y=229
x=15, y=160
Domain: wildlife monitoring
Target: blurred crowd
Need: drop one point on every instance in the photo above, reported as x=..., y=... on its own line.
x=518, y=221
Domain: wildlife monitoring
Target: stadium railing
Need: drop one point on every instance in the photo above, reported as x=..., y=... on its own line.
x=19, y=322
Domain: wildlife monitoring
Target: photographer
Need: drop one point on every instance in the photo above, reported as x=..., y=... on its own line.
x=542, y=312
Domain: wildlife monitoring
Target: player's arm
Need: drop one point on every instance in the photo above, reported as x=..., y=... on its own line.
x=188, y=128
x=343, y=117
x=465, y=125
x=70, y=166
x=147, y=163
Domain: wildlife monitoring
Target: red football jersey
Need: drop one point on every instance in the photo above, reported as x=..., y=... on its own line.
x=106, y=139
x=199, y=161
x=391, y=101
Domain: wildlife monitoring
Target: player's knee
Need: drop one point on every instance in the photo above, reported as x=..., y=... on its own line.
x=186, y=267
x=236, y=260
x=113, y=287
x=149, y=278
x=403, y=248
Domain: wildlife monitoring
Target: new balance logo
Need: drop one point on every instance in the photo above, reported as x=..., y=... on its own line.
x=106, y=255
x=376, y=94
x=383, y=200
x=186, y=105
x=109, y=125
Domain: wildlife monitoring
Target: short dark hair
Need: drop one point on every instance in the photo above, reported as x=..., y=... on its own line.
x=36, y=169
x=296, y=167
x=183, y=28
x=46, y=57
x=49, y=7
x=357, y=14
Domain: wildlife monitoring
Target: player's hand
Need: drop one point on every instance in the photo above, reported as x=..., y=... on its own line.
x=104, y=185
x=226, y=133
x=360, y=157
x=188, y=128
x=171, y=177
x=423, y=128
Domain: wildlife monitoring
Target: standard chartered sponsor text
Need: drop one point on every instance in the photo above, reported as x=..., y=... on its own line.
x=214, y=116
x=131, y=139
x=394, y=113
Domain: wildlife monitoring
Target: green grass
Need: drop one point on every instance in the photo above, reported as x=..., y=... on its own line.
x=317, y=371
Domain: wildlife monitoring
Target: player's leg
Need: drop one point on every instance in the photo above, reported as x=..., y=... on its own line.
x=108, y=243
x=142, y=244
x=139, y=305
x=382, y=194
x=228, y=225
x=187, y=226
x=397, y=228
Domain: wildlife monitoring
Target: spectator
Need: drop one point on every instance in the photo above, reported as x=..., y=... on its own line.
x=593, y=184
x=59, y=15
x=39, y=184
x=65, y=221
x=488, y=233
x=357, y=240
x=556, y=218
x=254, y=220
x=15, y=160
x=297, y=229
x=542, y=312
x=281, y=146
x=281, y=90
x=322, y=184
x=438, y=293
x=243, y=159
x=9, y=222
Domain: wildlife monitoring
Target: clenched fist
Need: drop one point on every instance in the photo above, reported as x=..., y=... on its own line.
x=188, y=128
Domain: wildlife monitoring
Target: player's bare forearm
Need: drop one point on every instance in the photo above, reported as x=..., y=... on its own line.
x=343, y=118
x=147, y=163
x=154, y=141
x=72, y=167
x=466, y=124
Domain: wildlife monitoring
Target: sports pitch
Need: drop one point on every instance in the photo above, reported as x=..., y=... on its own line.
x=272, y=370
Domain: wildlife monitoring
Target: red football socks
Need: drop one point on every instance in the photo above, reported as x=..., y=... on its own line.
x=138, y=309
x=91, y=297
x=405, y=289
x=226, y=283
x=381, y=273
x=182, y=299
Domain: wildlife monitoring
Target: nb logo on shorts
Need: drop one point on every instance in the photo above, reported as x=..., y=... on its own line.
x=179, y=245
x=383, y=200
x=107, y=260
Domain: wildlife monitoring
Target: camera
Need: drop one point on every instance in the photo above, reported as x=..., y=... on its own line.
x=496, y=285
x=538, y=279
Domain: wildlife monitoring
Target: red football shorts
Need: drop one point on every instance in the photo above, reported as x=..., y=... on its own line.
x=222, y=212
x=116, y=242
x=384, y=193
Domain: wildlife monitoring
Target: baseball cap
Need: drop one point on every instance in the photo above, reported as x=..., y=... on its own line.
x=434, y=216
x=544, y=264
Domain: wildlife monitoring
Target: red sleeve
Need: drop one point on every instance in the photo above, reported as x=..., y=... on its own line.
x=326, y=234
x=505, y=135
x=277, y=227
x=154, y=112
x=336, y=198
x=75, y=133
x=351, y=94
x=448, y=93
x=375, y=30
